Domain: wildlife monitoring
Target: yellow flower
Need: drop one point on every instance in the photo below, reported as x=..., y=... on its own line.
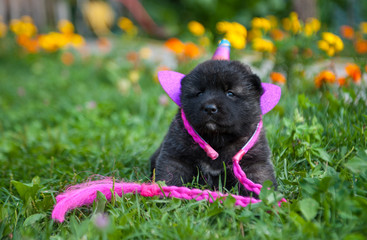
x=26, y=19
x=235, y=33
x=3, y=29
x=254, y=33
x=223, y=27
x=261, y=23
x=204, y=41
x=330, y=43
x=312, y=26
x=196, y=28
x=363, y=27
x=323, y=45
x=75, y=40
x=134, y=76
x=127, y=25
x=65, y=27
x=100, y=16
x=145, y=53
x=52, y=41
x=263, y=45
x=292, y=24
x=239, y=29
x=237, y=41
x=273, y=21
x=23, y=27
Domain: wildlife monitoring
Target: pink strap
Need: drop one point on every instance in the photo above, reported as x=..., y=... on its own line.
x=251, y=142
x=210, y=152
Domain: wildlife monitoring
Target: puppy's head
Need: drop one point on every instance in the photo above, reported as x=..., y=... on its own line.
x=221, y=97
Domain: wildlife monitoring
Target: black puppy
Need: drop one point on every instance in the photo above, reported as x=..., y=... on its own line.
x=221, y=100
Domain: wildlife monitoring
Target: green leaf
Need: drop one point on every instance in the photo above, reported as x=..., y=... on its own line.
x=309, y=208
x=358, y=163
x=101, y=201
x=355, y=236
x=321, y=153
x=27, y=190
x=34, y=218
x=268, y=195
x=229, y=202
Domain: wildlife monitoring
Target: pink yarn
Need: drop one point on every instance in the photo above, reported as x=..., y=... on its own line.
x=86, y=193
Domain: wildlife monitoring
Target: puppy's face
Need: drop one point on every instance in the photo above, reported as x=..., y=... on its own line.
x=221, y=97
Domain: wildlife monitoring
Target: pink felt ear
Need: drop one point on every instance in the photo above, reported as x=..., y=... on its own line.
x=171, y=83
x=270, y=97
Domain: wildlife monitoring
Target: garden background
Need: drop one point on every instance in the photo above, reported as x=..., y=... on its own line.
x=79, y=99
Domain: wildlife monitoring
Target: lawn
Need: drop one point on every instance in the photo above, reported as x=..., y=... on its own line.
x=62, y=124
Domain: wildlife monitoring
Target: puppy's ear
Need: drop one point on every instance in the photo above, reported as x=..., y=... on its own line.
x=255, y=82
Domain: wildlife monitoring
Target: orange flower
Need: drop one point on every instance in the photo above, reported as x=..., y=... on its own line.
x=175, y=45
x=277, y=34
x=104, y=45
x=347, y=32
x=67, y=58
x=342, y=81
x=29, y=44
x=308, y=52
x=132, y=57
x=354, y=72
x=277, y=77
x=191, y=50
x=325, y=76
x=361, y=46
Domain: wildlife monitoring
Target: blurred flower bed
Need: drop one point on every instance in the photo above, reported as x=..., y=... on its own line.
x=297, y=54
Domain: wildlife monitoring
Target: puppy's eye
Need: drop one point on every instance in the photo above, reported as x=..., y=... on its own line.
x=230, y=94
x=199, y=94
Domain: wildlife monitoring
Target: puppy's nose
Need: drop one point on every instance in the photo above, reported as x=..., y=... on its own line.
x=211, y=108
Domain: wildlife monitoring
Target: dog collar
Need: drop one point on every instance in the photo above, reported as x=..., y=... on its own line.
x=210, y=152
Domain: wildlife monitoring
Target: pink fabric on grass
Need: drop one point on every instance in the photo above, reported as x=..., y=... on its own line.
x=85, y=194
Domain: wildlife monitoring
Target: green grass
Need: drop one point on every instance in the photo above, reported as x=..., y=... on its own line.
x=52, y=136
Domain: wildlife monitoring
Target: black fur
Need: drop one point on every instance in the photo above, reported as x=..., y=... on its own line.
x=221, y=100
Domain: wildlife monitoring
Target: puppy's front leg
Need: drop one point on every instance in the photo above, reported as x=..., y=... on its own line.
x=173, y=171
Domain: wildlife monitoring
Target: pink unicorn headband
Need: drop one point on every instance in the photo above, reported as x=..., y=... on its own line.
x=171, y=82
